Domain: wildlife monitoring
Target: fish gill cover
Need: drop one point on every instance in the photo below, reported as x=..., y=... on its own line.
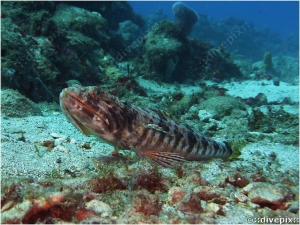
x=223, y=78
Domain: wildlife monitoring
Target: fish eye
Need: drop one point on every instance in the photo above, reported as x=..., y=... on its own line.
x=97, y=92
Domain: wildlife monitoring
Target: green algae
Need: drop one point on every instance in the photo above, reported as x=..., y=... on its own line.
x=237, y=147
x=267, y=62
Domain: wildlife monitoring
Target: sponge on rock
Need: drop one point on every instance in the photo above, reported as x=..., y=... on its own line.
x=186, y=16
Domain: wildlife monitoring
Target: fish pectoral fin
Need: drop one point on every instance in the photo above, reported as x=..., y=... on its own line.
x=163, y=158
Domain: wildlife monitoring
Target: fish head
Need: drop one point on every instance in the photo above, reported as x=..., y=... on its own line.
x=90, y=109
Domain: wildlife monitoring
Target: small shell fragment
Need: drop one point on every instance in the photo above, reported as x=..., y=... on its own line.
x=62, y=148
x=59, y=141
x=7, y=206
x=56, y=135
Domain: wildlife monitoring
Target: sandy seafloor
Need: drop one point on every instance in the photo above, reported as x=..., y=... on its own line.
x=24, y=158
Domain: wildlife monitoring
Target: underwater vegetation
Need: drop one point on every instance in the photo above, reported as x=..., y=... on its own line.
x=267, y=62
x=186, y=16
x=56, y=47
x=52, y=173
x=170, y=54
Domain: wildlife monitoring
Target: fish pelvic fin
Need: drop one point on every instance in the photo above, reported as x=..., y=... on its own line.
x=164, y=159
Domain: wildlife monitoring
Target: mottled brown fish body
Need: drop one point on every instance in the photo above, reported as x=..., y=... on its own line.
x=148, y=132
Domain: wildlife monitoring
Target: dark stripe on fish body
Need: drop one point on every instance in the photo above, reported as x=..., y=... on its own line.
x=153, y=133
x=137, y=138
x=161, y=123
x=143, y=139
x=167, y=140
x=113, y=120
x=129, y=119
x=119, y=117
x=187, y=149
x=174, y=142
x=228, y=147
x=215, y=145
x=151, y=140
x=219, y=149
x=160, y=140
x=226, y=151
x=212, y=150
x=203, y=148
x=185, y=146
x=196, y=149
x=174, y=130
x=192, y=140
x=180, y=145
x=221, y=152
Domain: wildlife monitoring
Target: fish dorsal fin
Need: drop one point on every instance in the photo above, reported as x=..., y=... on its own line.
x=164, y=114
x=163, y=158
x=154, y=127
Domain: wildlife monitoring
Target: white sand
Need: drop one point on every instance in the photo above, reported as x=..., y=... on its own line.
x=252, y=88
x=21, y=159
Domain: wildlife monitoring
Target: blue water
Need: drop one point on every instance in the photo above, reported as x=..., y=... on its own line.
x=281, y=18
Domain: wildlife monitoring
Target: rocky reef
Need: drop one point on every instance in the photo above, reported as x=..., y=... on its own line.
x=46, y=44
x=170, y=55
x=186, y=16
x=61, y=42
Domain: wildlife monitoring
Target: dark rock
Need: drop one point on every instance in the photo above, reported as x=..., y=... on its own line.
x=269, y=195
x=276, y=81
x=14, y=104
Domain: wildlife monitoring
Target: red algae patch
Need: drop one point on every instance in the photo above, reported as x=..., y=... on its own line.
x=102, y=185
x=210, y=194
x=146, y=203
x=83, y=214
x=175, y=195
x=191, y=204
x=150, y=181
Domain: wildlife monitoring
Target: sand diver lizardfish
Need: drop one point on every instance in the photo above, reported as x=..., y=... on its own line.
x=150, y=133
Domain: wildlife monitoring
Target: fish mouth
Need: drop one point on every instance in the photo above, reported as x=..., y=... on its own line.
x=67, y=104
x=83, y=111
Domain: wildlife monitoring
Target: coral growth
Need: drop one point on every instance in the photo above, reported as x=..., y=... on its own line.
x=267, y=62
x=186, y=16
x=128, y=31
x=171, y=55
